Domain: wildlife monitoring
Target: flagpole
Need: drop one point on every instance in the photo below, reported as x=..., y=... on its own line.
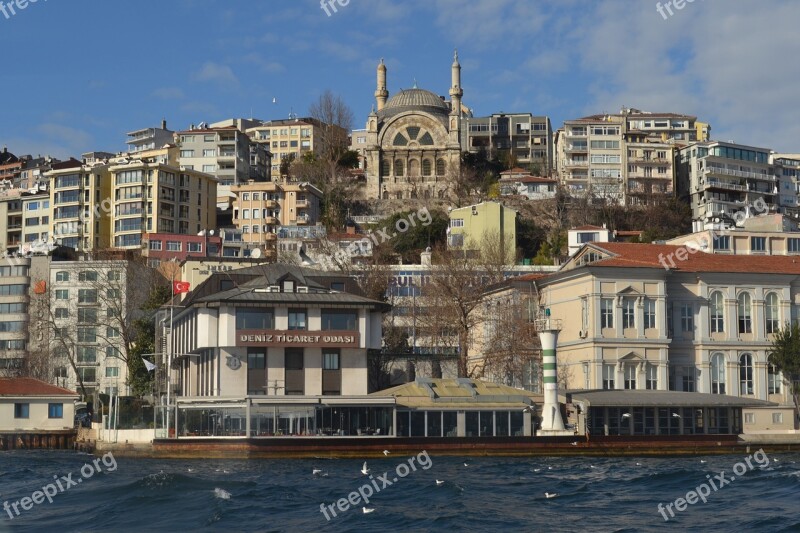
x=171, y=340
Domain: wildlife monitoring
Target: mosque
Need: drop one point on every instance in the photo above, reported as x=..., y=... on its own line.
x=413, y=145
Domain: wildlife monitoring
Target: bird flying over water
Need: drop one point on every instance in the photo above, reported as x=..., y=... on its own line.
x=367, y=510
x=364, y=469
x=549, y=495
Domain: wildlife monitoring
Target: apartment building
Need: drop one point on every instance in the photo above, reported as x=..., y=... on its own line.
x=623, y=158
x=286, y=138
x=14, y=319
x=10, y=166
x=150, y=138
x=88, y=308
x=518, y=181
x=260, y=208
x=221, y=152
x=727, y=180
x=151, y=193
x=471, y=226
x=524, y=139
x=77, y=190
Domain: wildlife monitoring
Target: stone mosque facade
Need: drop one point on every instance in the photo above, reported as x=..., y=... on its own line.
x=413, y=145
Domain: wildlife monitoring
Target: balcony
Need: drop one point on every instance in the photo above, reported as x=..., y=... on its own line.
x=302, y=203
x=271, y=204
x=303, y=219
x=226, y=156
x=577, y=148
x=641, y=160
x=739, y=173
x=271, y=221
x=722, y=184
x=573, y=163
x=270, y=236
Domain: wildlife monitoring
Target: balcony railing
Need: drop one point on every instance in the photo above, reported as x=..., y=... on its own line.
x=739, y=173
x=722, y=184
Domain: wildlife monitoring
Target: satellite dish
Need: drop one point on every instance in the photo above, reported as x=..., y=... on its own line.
x=211, y=232
x=255, y=254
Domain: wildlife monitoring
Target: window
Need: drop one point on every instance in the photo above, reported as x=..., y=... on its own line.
x=62, y=294
x=339, y=320
x=585, y=237
x=256, y=359
x=652, y=377
x=196, y=247
x=793, y=245
x=722, y=242
x=771, y=313
x=687, y=318
x=87, y=335
x=13, y=290
x=649, y=313
x=608, y=376
x=255, y=318
x=87, y=315
x=12, y=327
x=62, y=276
x=62, y=312
x=330, y=359
x=112, y=371
x=187, y=153
x=743, y=306
x=297, y=319
x=88, y=374
x=607, y=313
x=717, y=312
x=174, y=246
x=111, y=332
x=87, y=296
x=22, y=410
x=87, y=275
x=773, y=379
x=758, y=244
x=777, y=418
x=630, y=377
x=114, y=294
x=628, y=313
x=55, y=410
x=718, y=373
x=457, y=223
x=155, y=245
x=749, y=418
x=746, y=374
x=114, y=275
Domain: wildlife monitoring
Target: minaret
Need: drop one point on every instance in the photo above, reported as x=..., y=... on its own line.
x=455, y=91
x=381, y=94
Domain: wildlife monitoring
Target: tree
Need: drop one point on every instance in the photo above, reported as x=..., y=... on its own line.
x=512, y=342
x=286, y=163
x=453, y=293
x=335, y=121
x=785, y=355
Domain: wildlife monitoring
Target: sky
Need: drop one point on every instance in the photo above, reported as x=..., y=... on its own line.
x=79, y=74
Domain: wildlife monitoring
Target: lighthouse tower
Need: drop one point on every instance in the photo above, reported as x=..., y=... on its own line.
x=552, y=423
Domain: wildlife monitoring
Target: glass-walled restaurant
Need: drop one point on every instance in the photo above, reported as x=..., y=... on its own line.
x=665, y=420
x=341, y=417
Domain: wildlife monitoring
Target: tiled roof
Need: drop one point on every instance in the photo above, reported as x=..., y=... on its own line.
x=515, y=170
x=31, y=387
x=660, y=255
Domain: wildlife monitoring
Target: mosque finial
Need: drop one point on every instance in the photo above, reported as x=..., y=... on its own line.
x=415, y=84
x=455, y=54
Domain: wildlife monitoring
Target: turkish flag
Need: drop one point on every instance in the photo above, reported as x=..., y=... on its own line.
x=180, y=286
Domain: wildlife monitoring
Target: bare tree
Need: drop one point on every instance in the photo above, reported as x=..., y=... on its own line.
x=512, y=343
x=450, y=298
x=335, y=123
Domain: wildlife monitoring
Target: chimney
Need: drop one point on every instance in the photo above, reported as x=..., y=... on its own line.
x=163, y=123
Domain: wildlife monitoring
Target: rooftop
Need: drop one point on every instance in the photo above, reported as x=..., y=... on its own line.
x=653, y=398
x=459, y=393
x=31, y=387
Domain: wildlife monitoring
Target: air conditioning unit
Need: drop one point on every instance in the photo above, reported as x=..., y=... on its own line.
x=583, y=334
x=302, y=289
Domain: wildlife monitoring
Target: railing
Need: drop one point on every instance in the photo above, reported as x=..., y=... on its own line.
x=726, y=185
x=739, y=173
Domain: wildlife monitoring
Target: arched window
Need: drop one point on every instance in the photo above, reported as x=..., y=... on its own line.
x=440, y=166
x=771, y=313
x=718, y=373
x=413, y=168
x=398, y=167
x=427, y=167
x=399, y=195
x=745, y=374
x=773, y=379
x=744, y=309
x=385, y=195
x=717, y=312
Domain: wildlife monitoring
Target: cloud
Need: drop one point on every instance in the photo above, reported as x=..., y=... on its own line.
x=169, y=93
x=72, y=138
x=216, y=73
x=271, y=67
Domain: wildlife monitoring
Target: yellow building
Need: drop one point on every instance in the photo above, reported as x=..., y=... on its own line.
x=77, y=191
x=151, y=193
x=260, y=208
x=291, y=137
x=475, y=227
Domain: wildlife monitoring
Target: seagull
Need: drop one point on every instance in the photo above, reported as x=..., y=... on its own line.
x=364, y=469
x=675, y=415
x=626, y=415
x=575, y=443
x=703, y=461
x=439, y=482
x=537, y=469
x=592, y=466
x=316, y=471
x=550, y=494
x=549, y=467
x=466, y=464
x=775, y=461
x=274, y=100
x=190, y=470
x=638, y=464
x=367, y=510
x=385, y=452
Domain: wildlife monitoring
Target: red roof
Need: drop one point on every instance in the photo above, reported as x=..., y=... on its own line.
x=665, y=255
x=515, y=170
x=31, y=387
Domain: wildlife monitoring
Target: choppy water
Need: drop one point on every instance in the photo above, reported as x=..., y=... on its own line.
x=489, y=494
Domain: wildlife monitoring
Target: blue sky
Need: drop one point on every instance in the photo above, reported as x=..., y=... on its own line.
x=79, y=74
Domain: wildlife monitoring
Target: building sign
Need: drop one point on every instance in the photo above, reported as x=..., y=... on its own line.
x=297, y=338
